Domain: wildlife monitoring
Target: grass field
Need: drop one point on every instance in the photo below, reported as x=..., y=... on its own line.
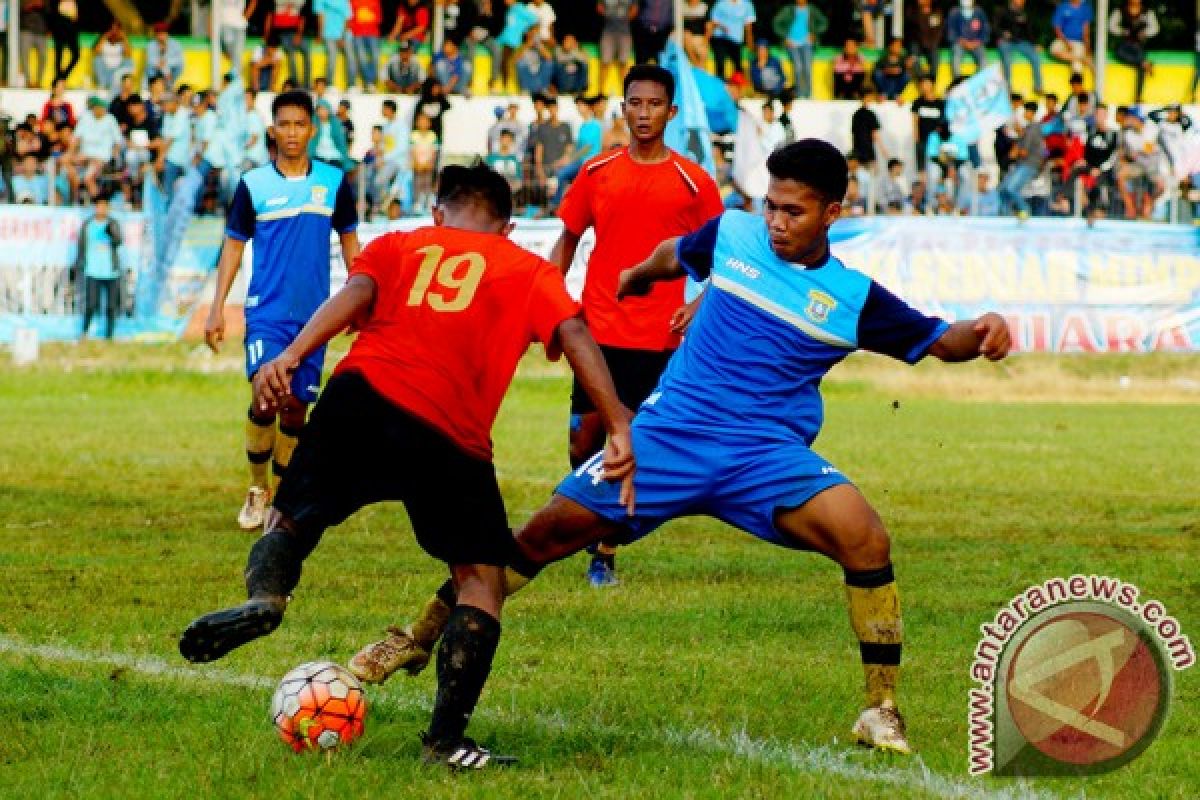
x=721, y=668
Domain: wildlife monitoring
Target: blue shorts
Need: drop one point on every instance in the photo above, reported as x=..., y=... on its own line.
x=266, y=340
x=737, y=479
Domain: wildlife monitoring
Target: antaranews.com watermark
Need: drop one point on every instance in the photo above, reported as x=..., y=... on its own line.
x=1074, y=677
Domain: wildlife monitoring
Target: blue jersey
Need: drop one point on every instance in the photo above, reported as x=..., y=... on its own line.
x=767, y=333
x=290, y=220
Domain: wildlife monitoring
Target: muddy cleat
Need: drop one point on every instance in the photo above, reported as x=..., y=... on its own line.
x=213, y=635
x=882, y=728
x=463, y=754
x=376, y=662
x=254, y=510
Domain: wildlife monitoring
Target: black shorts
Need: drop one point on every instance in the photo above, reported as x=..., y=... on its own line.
x=635, y=373
x=358, y=449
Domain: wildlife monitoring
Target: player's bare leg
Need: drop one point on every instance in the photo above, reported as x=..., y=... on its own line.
x=272, y=572
x=586, y=439
x=560, y=529
x=839, y=523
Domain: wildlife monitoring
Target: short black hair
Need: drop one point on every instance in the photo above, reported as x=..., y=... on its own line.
x=295, y=98
x=1031, y=105
x=475, y=183
x=815, y=163
x=654, y=74
x=390, y=104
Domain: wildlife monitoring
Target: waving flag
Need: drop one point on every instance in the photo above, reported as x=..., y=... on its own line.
x=689, y=132
x=978, y=103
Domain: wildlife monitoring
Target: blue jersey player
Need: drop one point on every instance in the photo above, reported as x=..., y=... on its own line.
x=728, y=431
x=288, y=207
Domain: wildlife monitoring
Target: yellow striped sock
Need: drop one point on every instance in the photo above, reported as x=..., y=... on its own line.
x=875, y=618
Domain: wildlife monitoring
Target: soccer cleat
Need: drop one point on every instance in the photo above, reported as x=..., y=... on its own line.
x=213, y=635
x=601, y=575
x=882, y=728
x=376, y=662
x=254, y=510
x=463, y=754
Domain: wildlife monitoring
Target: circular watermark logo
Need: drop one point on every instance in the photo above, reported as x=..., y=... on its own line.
x=1075, y=678
x=1087, y=687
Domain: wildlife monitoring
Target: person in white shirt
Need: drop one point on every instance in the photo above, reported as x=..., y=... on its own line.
x=97, y=142
x=546, y=19
x=234, y=14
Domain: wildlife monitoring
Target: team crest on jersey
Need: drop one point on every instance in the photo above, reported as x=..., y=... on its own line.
x=319, y=193
x=819, y=306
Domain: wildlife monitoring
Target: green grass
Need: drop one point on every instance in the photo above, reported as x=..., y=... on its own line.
x=721, y=668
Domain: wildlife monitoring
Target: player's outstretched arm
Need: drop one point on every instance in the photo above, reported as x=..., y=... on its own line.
x=662, y=265
x=227, y=269
x=986, y=336
x=272, y=381
x=590, y=368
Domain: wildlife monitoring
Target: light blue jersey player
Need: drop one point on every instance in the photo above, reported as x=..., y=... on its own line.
x=288, y=207
x=728, y=432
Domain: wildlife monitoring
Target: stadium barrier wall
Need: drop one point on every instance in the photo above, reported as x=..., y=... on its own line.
x=1064, y=286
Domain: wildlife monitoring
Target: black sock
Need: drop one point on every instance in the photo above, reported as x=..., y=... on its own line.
x=464, y=660
x=447, y=594
x=274, y=564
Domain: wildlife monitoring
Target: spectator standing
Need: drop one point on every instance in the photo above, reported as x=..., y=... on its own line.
x=344, y=116
x=34, y=37
x=928, y=111
x=1141, y=171
x=766, y=73
x=412, y=23
x=616, y=38
x=893, y=192
x=487, y=23
x=404, y=73
x=968, y=31
x=451, y=69
x=252, y=134
x=144, y=137
x=519, y=19
x=553, y=144
x=1100, y=153
x=926, y=27
x=112, y=58
x=891, y=71
x=1132, y=26
x=773, y=134
x=982, y=200
x=570, y=67
x=328, y=143
x=177, y=139
x=1072, y=22
x=394, y=174
x=29, y=184
x=800, y=25
x=285, y=29
x=1014, y=36
x=57, y=107
x=423, y=150
x=588, y=141
x=695, y=32
x=333, y=18
x=849, y=72
x=119, y=105
x=233, y=22
x=365, y=18
x=266, y=65
x=871, y=13
x=98, y=261
x=164, y=56
x=1028, y=158
x=651, y=27
x=866, y=132
x=731, y=23
x=545, y=19
x=62, y=17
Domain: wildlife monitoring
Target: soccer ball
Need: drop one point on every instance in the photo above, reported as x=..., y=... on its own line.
x=318, y=706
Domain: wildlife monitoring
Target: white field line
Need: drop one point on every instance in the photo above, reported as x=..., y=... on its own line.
x=834, y=761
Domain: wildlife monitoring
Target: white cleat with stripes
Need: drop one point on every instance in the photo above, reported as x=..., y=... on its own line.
x=465, y=754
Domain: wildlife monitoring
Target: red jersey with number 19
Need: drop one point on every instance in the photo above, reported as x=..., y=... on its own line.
x=454, y=312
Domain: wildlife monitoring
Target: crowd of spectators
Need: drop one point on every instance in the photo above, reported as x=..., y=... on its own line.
x=141, y=122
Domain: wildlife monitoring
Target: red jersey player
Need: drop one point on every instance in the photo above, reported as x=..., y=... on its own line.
x=635, y=198
x=444, y=314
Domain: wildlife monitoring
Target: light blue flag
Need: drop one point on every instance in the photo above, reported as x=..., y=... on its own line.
x=979, y=103
x=689, y=132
